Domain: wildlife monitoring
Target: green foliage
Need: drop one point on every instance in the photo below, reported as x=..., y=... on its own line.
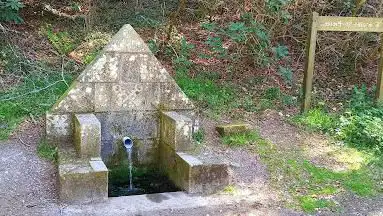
x=199, y=136
x=206, y=93
x=90, y=57
x=276, y=5
x=241, y=139
x=47, y=151
x=39, y=88
x=250, y=38
x=310, y=204
x=181, y=61
x=289, y=100
x=272, y=93
x=61, y=41
x=360, y=125
x=286, y=73
x=9, y=11
x=216, y=45
x=281, y=52
x=317, y=119
x=153, y=46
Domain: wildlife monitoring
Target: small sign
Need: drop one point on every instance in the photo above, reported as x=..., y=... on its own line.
x=327, y=23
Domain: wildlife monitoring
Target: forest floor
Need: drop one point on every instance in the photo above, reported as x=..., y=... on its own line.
x=291, y=170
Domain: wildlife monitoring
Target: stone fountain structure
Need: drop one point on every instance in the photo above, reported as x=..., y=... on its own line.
x=126, y=91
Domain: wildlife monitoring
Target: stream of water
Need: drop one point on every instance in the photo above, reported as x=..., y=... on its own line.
x=129, y=151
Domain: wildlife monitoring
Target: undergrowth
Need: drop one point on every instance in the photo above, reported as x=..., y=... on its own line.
x=359, y=125
x=36, y=89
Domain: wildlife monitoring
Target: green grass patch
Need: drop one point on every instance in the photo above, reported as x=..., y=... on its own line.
x=47, y=151
x=36, y=89
x=317, y=120
x=241, y=139
x=199, y=136
x=32, y=98
x=208, y=94
x=311, y=187
x=310, y=205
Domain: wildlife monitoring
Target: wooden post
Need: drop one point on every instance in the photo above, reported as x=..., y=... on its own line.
x=309, y=67
x=379, y=84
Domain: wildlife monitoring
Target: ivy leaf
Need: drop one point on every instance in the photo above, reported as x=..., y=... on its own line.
x=14, y=4
x=281, y=51
x=286, y=74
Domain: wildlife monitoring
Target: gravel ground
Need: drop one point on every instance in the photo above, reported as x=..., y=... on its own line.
x=27, y=183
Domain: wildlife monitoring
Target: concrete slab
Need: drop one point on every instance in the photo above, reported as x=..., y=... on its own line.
x=173, y=203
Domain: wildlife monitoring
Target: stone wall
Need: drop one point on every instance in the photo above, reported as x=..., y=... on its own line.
x=125, y=87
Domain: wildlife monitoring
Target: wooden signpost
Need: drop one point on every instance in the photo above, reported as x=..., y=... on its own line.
x=327, y=23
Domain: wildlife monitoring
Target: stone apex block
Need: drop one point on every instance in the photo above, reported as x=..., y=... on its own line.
x=104, y=68
x=58, y=127
x=87, y=135
x=229, y=129
x=127, y=40
x=78, y=98
x=176, y=131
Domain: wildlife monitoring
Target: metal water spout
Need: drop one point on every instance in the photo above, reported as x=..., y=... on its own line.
x=128, y=143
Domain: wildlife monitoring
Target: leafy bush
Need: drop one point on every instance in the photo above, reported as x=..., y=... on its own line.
x=362, y=124
x=249, y=37
x=9, y=11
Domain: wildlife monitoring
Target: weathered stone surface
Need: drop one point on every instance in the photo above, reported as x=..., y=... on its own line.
x=154, y=71
x=132, y=64
x=58, y=127
x=208, y=178
x=193, y=175
x=81, y=181
x=87, y=135
x=176, y=131
x=103, y=97
x=104, y=68
x=137, y=125
x=135, y=96
x=172, y=97
x=127, y=41
x=78, y=98
x=229, y=129
x=125, y=86
x=145, y=152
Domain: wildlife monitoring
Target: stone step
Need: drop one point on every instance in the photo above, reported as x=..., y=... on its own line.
x=81, y=180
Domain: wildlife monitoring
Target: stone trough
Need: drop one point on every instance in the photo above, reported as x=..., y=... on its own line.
x=124, y=92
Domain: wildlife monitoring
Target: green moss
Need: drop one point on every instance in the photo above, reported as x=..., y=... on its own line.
x=310, y=205
x=47, y=151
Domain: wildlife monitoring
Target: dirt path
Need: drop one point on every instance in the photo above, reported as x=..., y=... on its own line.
x=27, y=183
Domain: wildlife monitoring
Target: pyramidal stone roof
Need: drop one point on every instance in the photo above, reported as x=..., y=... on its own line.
x=125, y=76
